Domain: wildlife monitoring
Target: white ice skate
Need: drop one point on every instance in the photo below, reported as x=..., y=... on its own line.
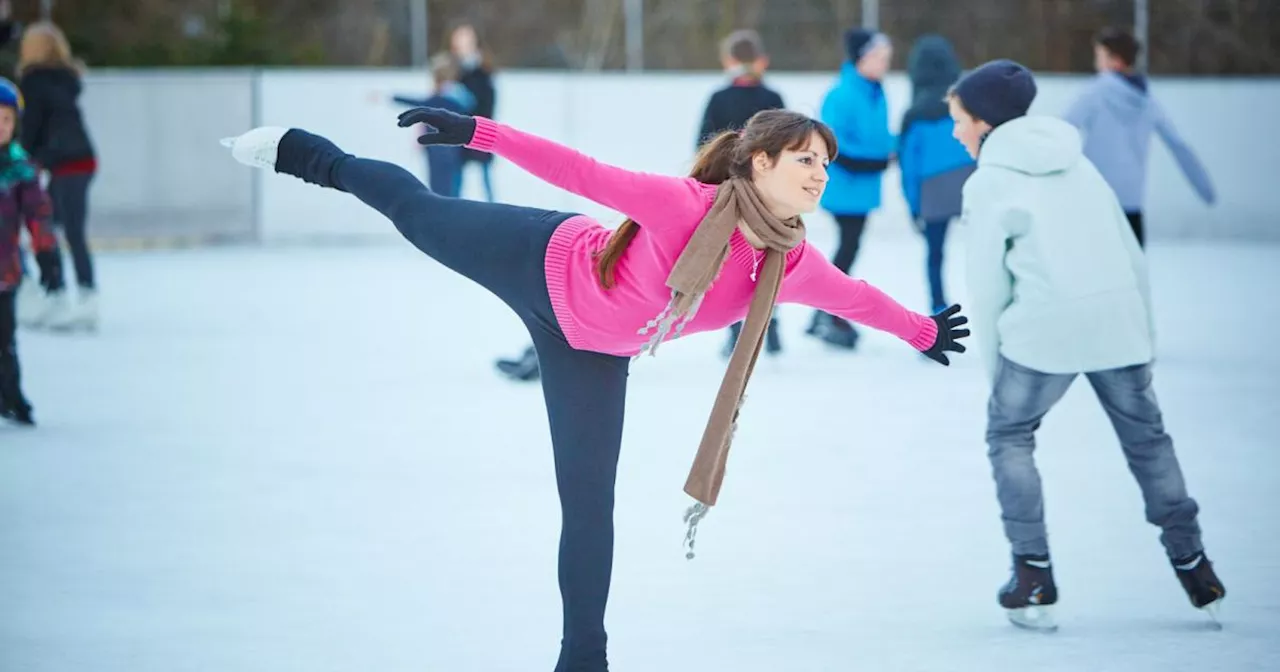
x=1037, y=617
x=257, y=147
x=52, y=310
x=83, y=317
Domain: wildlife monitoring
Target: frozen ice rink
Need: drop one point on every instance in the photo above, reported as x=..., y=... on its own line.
x=289, y=459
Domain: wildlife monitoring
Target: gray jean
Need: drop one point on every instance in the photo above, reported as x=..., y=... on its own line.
x=1021, y=398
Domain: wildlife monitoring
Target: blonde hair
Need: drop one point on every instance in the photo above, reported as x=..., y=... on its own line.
x=44, y=44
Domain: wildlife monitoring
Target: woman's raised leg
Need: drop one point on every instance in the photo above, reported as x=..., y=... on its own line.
x=496, y=245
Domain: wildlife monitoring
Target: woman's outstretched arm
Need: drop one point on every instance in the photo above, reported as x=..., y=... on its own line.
x=650, y=199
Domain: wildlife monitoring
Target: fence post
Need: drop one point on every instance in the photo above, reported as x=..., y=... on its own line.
x=871, y=14
x=418, y=32
x=635, y=35
x=1141, y=19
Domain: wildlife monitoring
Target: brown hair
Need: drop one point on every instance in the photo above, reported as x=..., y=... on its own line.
x=728, y=155
x=743, y=46
x=1119, y=43
x=444, y=68
x=44, y=44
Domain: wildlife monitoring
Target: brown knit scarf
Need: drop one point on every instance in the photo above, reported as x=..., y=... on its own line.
x=737, y=200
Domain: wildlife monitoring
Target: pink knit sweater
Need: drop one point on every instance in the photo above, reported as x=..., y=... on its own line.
x=668, y=209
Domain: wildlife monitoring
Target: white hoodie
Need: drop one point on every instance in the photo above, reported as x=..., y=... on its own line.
x=1056, y=276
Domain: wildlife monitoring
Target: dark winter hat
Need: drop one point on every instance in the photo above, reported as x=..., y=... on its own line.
x=997, y=91
x=859, y=41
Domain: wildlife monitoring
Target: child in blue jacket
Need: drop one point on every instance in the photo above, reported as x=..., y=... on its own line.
x=856, y=111
x=934, y=166
x=444, y=163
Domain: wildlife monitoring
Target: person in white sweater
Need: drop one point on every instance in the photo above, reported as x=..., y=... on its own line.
x=1058, y=285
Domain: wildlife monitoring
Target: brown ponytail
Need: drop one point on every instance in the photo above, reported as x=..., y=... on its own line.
x=724, y=156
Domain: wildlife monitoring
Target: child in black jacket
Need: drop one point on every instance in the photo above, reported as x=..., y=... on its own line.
x=744, y=59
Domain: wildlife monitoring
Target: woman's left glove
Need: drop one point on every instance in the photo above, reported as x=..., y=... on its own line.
x=443, y=127
x=949, y=335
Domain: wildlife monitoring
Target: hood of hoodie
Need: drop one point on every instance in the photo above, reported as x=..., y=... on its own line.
x=1033, y=146
x=933, y=68
x=1126, y=95
x=932, y=64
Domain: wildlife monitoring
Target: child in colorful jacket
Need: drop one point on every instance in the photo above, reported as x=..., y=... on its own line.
x=22, y=202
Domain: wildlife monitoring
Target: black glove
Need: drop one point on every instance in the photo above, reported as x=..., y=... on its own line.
x=949, y=335
x=443, y=127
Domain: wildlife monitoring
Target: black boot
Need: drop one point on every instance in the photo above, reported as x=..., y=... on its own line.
x=13, y=406
x=735, y=330
x=309, y=158
x=772, y=340
x=1030, y=592
x=523, y=369
x=1197, y=577
x=833, y=330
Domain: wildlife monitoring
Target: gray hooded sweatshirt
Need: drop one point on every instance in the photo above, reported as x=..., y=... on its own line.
x=1116, y=116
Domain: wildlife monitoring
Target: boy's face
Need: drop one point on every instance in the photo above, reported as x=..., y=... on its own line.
x=874, y=65
x=8, y=121
x=968, y=131
x=1105, y=61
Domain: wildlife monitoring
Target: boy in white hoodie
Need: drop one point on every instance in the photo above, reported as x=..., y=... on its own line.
x=1058, y=286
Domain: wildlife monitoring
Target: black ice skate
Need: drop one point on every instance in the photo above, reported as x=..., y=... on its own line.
x=1030, y=594
x=13, y=406
x=1203, y=587
x=832, y=330
x=525, y=368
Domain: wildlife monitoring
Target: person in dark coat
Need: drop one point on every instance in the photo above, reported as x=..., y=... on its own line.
x=476, y=73
x=934, y=166
x=54, y=133
x=744, y=59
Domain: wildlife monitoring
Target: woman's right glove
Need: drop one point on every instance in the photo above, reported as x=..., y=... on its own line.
x=949, y=335
x=443, y=127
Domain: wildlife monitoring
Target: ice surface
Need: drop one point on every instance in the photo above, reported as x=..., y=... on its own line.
x=301, y=459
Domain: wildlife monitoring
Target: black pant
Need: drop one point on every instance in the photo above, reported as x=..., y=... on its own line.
x=851, y=227
x=10, y=374
x=70, y=196
x=1135, y=222
x=503, y=248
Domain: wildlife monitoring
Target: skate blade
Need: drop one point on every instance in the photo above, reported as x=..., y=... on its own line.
x=1037, y=617
x=1211, y=610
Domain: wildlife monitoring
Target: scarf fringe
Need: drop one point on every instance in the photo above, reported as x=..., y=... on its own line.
x=665, y=323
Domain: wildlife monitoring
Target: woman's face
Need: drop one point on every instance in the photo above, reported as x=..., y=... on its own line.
x=463, y=41
x=793, y=184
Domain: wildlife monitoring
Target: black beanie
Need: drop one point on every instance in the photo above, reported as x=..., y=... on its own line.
x=858, y=41
x=997, y=91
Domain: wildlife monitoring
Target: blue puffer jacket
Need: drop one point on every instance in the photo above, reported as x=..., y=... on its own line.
x=856, y=111
x=934, y=164
x=929, y=151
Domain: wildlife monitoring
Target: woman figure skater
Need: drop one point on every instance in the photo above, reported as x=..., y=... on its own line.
x=593, y=298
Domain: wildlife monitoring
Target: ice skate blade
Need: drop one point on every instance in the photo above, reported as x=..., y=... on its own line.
x=1036, y=617
x=1211, y=610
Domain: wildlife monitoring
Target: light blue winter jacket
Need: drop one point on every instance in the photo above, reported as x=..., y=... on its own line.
x=1116, y=117
x=856, y=111
x=1057, y=280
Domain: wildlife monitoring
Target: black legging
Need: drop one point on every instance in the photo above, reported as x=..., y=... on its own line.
x=70, y=196
x=503, y=247
x=851, y=227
